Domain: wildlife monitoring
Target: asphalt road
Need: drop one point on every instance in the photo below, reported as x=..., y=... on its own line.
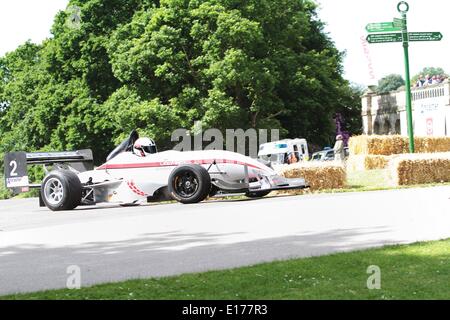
x=111, y=243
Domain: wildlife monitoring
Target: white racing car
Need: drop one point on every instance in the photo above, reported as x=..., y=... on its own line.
x=134, y=176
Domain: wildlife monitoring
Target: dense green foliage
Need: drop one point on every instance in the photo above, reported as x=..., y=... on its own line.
x=4, y=193
x=390, y=83
x=161, y=65
x=351, y=112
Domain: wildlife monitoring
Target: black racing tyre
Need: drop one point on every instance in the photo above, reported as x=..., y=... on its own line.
x=61, y=190
x=257, y=194
x=189, y=184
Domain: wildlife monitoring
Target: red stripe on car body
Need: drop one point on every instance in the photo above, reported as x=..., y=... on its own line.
x=133, y=188
x=171, y=164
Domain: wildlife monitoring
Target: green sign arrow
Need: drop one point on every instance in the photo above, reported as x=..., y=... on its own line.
x=398, y=23
x=384, y=37
x=397, y=37
x=382, y=27
x=425, y=36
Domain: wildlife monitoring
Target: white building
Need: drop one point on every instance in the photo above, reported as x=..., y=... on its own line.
x=386, y=113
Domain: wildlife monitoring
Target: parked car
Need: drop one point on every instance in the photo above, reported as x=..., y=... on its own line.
x=327, y=155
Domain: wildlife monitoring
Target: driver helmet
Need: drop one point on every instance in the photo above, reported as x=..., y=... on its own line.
x=144, y=146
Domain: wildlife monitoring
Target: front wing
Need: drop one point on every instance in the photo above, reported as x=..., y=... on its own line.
x=275, y=183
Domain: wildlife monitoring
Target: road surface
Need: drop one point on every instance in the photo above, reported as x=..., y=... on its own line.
x=110, y=243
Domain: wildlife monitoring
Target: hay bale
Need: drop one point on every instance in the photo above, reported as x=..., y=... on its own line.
x=357, y=145
x=415, y=169
x=367, y=162
x=356, y=163
x=320, y=176
x=432, y=144
x=390, y=145
x=376, y=162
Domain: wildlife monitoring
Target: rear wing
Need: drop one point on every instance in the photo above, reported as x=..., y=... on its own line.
x=16, y=173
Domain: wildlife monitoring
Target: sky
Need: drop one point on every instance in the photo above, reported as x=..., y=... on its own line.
x=21, y=20
x=346, y=21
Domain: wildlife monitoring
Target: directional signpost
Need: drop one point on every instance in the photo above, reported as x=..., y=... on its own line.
x=382, y=27
x=405, y=37
x=384, y=38
x=425, y=36
x=398, y=23
x=398, y=37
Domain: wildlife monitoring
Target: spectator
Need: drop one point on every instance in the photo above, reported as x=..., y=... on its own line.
x=291, y=158
x=339, y=153
x=420, y=81
x=434, y=80
x=428, y=80
x=440, y=78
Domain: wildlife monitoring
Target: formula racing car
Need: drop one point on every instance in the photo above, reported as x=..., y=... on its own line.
x=130, y=178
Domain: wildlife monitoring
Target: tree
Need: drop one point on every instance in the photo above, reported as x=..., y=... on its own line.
x=159, y=65
x=234, y=64
x=350, y=108
x=390, y=83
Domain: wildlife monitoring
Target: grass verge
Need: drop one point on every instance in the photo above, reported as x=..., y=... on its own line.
x=419, y=271
x=373, y=180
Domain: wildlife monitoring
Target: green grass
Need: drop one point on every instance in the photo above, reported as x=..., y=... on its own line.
x=368, y=179
x=419, y=271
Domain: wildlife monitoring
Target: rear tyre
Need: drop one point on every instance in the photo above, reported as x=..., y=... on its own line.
x=257, y=194
x=61, y=190
x=189, y=184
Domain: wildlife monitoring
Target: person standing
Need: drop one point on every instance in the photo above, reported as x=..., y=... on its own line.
x=339, y=153
x=420, y=81
x=435, y=80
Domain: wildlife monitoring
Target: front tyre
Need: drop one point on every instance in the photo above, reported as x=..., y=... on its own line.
x=189, y=184
x=61, y=190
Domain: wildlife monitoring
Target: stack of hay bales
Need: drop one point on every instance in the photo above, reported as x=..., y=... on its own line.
x=318, y=175
x=415, y=169
x=375, y=152
x=389, y=145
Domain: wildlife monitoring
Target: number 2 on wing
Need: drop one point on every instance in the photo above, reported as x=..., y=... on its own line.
x=13, y=164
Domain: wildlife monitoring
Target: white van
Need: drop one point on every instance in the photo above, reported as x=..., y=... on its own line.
x=276, y=153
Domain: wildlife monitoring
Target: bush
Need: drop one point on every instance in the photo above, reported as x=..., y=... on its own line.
x=4, y=193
